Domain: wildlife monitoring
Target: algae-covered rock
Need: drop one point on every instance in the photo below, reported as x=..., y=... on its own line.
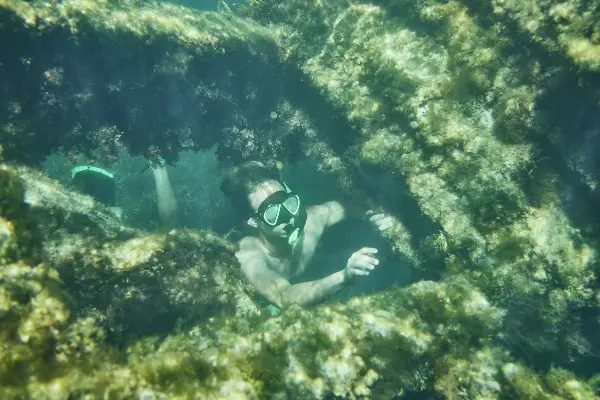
x=487, y=134
x=99, y=282
x=141, y=283
x=378, y=346
x=34, y=308
x=54, y=344
x=569, y=27
x=149, y=77
x=17, y=234
x=490, y=136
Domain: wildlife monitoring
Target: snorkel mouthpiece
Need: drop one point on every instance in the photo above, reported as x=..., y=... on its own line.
x=294, y=230
x=293, y=233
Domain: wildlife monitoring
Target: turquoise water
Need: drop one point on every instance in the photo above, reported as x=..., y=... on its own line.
x=475, y=126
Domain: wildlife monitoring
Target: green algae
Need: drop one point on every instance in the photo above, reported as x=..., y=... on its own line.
x=57, y=343
x=380, y=345
x=143, y=283
x=568, y=27
x=16, y=234
x=465, y=135
x=435, y=94
x=116, y=61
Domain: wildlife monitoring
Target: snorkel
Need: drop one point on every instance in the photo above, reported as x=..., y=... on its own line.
x=284, y=207
x=295, y=227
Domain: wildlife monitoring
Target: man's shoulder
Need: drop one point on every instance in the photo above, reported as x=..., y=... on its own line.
x=320, y=214
x=317, y=211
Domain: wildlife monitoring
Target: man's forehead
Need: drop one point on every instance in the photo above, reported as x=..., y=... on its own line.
x=264, y=190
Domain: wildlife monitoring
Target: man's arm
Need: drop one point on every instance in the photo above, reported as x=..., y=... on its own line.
x=333, y=212
x=279, y=291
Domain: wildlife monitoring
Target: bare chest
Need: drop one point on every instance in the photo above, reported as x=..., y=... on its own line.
x=302, y=252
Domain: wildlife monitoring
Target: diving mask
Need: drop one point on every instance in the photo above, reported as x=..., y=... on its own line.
x=284, y=207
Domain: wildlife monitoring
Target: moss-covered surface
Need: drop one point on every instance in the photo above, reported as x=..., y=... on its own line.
x=454, y=103
x=483, y=116
x=140, y=283
x=432, y=337
x=570, y=28
x=152, y=78
x=17, y=236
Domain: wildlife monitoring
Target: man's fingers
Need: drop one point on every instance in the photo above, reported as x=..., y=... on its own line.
x=366, y=250
x=376, y=217
x=385, y=224
x=362, y=261
x=360, y=272
x=367, y=259
x=361, y=265
x=384, y=220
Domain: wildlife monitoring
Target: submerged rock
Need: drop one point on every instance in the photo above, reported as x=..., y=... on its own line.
x=92, y=330
x=95, y=77
x=488, y=135
x=489, y=138
x=140, y=283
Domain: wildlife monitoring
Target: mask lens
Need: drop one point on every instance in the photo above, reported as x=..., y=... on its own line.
x=271, y=213
x=292, y=204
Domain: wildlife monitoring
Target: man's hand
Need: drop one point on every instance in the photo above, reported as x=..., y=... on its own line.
x=361, y=262
x=381, y=222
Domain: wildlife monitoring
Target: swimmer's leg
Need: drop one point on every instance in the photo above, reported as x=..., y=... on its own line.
x=168, y=211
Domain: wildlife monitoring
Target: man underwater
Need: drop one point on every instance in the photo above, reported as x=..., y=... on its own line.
x=100, y=184
x=287, y=235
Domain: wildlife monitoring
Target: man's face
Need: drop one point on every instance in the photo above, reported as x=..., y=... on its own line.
x=256, y=198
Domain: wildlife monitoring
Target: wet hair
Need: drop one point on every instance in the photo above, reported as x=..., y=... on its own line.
x=242, y=180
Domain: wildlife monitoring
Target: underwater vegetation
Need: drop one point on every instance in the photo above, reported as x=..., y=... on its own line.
x=483, y=116
x=474, y=121
x=60, y=334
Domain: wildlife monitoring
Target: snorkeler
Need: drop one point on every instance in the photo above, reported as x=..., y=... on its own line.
x=100, y=184
x=287, y=235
